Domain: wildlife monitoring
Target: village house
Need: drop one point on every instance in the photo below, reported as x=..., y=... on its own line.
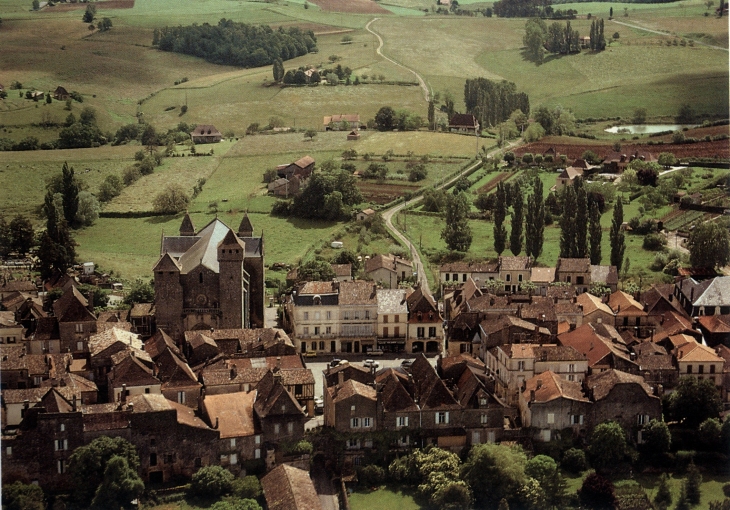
x=705, y=297
x=283, y=187
x=616, y=162
x=459, y=272
x=629, y=313
x=10, y=331
x=575, y=272
x=289, y=488
x=206, y=133
x=365, y=214
x=61, y=94
x=602, y=346
x=567, y=176
x=388, y=270
x=700, y=362
x=392, y=316
x=425, y=325
x=513, y=271
x=549, y=404
x=595, y=311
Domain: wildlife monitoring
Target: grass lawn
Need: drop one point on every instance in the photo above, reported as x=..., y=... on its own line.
x=385, y=498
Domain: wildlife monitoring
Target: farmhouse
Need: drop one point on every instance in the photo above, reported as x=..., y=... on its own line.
x=463, y=123
x=283, y=187
x=302, y=168
x=206, y=133
x=341, y=122
x=365, y=214
x=61, y=94
x=567, y=176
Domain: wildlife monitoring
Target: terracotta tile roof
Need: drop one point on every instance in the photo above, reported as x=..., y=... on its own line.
x=453, y=366
x=131, y=371
x=470, y=267
x=565, y=292
x=604, y=274
x=697, y=353
x=304, y=162
x=549, y=386
x=205, y=129
x=391, y=301
x=724, y=352
x=519, y=351
x=394, y=394
x=569, y=265
x=142, y=310
x=715, y=323
x=54, y=402
x=389, y=262
x=350, y=388
x=557, y=353
x=232, y=411
x=342, y=269
x=289, y=488
x=489, y=302
x=320, y=288
x=32, y=395
x=71, y=307
x=586, y=341
x=542, y=274
x=420, y=302
x=358, y=293
x=544, y=309
x=603, y=382
x=75, y=382
x=217, y=375
x=624, y=305
x=648, y=348
x=514, y=263
x=655, y=361
x=13, y=301
x=157, y=343
x=490, y=325
x=591, y=303
x=18, y=285
x=290, y=377
x=680, y=340
x=100, y=342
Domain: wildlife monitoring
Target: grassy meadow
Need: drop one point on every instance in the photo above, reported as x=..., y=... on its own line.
x=124, y=78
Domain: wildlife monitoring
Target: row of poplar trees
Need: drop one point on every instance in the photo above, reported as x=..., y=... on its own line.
x=580, y=223
x=528, y=227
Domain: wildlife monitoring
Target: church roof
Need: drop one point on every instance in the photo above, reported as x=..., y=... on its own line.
x=205, y=251
x=245, y=225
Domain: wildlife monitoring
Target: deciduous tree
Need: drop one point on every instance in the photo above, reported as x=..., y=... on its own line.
x=608, y=446
x=172, y=200
x=456, y=232
x=695, y=401
x=709, y=245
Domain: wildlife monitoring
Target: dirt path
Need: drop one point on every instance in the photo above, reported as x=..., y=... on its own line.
x=638, y=27
x=424, y=87
x=389, y=213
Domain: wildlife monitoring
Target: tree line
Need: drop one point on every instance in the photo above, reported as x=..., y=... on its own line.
x=238, y=44
x=492, y=102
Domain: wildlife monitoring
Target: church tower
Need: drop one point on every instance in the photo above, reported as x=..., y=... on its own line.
x=233, y=283
x=187, y=228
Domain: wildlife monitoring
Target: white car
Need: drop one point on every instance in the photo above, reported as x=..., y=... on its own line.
x=369, y=363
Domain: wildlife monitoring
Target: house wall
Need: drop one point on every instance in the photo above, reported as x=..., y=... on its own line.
x=395, y=320
x=356, y=406
x=599, y=317
x=388, y=278
x=75, y=336
x=115, y=393
x=554, y=415
x=705, y=370
x=623, y=404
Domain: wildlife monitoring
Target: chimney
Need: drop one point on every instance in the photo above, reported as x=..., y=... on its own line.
x=234, y=372
x=123, y=396
x=278, y=362
x=532, y=395
x=592, y=393
x=692, y=295
x=671, y=297
x=539, y=384
x=73, y=405
x=216, y=423
x=90, y=305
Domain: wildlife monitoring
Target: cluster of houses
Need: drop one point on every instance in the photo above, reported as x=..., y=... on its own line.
x=291, y=177
x=194, y=379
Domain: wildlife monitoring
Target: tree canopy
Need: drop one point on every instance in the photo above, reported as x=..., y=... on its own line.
x=492, y=102
x=237, y=44
x=694, y=401
x=88, y=469
x=709, y=245
x=456, y=232
x=327, y=196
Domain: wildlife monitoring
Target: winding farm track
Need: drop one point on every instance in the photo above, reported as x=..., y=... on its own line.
x=638, y=27
x=415, y=256
x=422, y=83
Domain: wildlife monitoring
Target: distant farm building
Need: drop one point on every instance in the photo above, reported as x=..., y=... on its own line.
x=463, y=123
x=61, y=94
x=341, y=122
x=206, y=133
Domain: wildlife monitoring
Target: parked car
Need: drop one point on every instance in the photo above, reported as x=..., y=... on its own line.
x=369, y=363
x=406, y=363
x=318, y=405
x=335, y=362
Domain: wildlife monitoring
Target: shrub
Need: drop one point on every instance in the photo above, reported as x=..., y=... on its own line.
x=574, y=461
x=248, y=487
x=171, y=200
x=131, y=175
x=654, y=242
x=211, y=482
x=527, y=158
x=597, y=492
x=371, y=475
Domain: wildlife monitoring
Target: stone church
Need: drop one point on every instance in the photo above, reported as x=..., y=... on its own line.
x=210, y=279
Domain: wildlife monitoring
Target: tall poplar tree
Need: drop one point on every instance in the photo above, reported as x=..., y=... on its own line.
x=581, y=220
x=594, y=228
x=535, y=221
x=567, y=224
x=457, y=233
x=70, y=191
x=278, y=70
x=518, y=218
x=500, y=211
x=618, y=243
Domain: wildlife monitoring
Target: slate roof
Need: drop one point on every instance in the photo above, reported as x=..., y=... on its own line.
x=187, y=227
x=716, y=294
x=465, y=120
x=233, y=412
x=201, y=249
x=142, y=310
x=289, y=488
x=245, y=225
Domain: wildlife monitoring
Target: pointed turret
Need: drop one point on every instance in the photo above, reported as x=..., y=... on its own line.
x=246, y=228
x=187, y=228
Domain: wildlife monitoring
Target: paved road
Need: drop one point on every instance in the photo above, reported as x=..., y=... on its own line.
x=638, y=27
x=424, y=87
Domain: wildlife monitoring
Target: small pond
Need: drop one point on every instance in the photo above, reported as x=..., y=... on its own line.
x=643, y=129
